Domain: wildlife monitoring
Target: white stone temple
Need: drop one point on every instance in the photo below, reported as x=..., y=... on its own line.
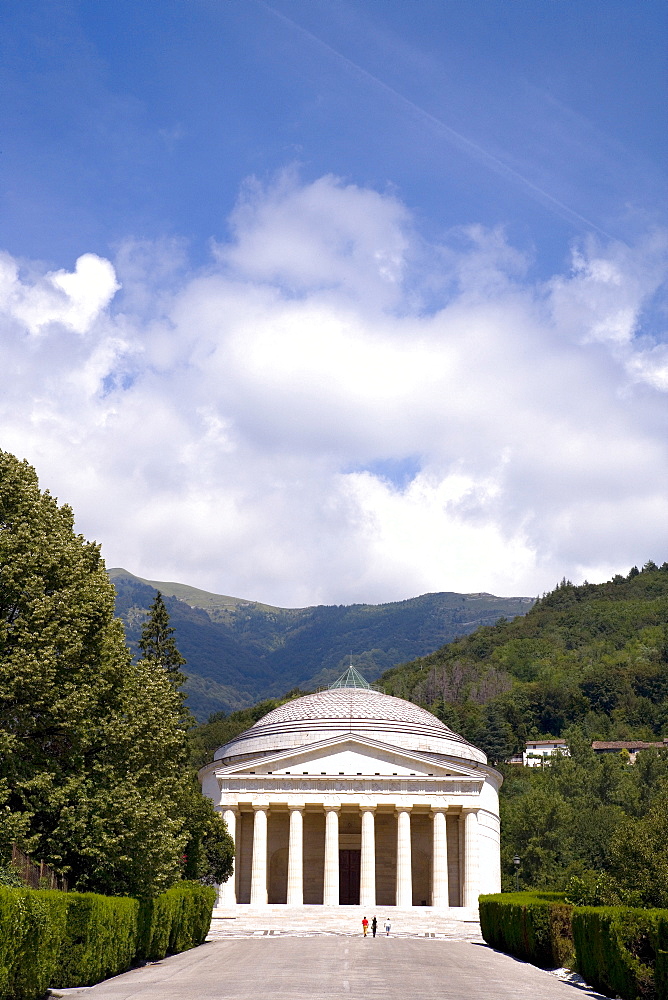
x=350, y=796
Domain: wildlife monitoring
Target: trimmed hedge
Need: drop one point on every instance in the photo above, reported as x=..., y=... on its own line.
x=623, y=951
x=32, y=929
x=176, y=920
x=535, y=926
x=619, y=950
x=100, y=939
x=59, y=939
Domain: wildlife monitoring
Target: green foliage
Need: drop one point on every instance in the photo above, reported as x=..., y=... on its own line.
x=623, y=951
x=32, y=929
x=240, y=651
x=594, y=655
x=596, y=819
x=533, y=926
x=209, y=851
x=639, y=852
x=10, y=875
x=176, y=920
x=100, y=940
x=157, y=643
x=76, y=939
x=93, y=747
x=593, y=888
x=619, y=950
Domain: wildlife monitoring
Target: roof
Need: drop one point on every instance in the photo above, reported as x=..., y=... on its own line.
x=546, y=743
x=625, y=745
x=350, y=703
x=348, y=710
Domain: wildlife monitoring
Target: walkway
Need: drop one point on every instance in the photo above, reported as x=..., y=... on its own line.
x=313, y=921
x=335, y=968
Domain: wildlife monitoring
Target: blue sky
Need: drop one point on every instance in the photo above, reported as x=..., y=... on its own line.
x=370, y=296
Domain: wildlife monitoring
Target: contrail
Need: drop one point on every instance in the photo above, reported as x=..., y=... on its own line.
x=493, y=162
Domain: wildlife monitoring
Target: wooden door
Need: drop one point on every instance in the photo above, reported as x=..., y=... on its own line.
x=349, y=878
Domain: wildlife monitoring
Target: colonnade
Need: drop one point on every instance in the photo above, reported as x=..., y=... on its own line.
x=468, y=861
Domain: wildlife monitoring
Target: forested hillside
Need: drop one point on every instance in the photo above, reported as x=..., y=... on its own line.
x=238, y=652
x=594, y=655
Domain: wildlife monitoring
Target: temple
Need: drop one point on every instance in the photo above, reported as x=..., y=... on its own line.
x=350, y=796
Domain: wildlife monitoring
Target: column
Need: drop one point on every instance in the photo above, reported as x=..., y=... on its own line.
x=404, y=875
x=331, y=886
x=471, y=889
x=440, y=895
x=259, y=863
x=368, y=858
x=296, y=856
x=227, y=892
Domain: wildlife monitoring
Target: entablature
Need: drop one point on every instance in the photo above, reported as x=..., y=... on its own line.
x=352, y=787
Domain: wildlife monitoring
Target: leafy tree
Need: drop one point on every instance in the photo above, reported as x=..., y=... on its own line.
x=640, y=855
x=209, y=852
x=93, y=747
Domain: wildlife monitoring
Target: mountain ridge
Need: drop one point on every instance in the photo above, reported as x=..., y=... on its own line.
x=240, y=651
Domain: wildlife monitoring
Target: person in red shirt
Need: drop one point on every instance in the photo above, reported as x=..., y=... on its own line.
x=365, y=926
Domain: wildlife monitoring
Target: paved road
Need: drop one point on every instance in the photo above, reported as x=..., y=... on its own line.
x=335, y=969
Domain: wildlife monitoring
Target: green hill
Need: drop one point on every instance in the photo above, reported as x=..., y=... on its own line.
x=595, y=655
x=240, y=651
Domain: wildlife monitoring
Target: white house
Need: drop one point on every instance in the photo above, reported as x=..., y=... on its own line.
x=537, y=751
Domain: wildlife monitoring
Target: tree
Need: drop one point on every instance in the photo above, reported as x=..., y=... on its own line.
x=94, y=775
x=157, y=642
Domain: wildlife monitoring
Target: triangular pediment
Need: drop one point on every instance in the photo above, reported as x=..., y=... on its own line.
x=354, y=755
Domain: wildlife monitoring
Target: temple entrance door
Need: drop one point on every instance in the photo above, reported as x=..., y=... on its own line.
x=349, y=878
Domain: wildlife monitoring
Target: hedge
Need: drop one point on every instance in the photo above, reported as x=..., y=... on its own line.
x=59, y=939
x=32, y=929
x=535, y=926
x=175, y=921
x=621, y=951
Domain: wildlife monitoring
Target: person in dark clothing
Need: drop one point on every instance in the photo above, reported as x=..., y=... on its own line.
x=374, y=925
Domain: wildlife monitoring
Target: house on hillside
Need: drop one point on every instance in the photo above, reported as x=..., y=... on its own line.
x=536, y=752
x=632, y=746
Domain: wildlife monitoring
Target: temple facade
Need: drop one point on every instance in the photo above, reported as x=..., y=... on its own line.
x=350, y=796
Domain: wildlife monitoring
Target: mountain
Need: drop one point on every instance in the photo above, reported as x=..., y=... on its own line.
x=594, y=656
x=240, y=651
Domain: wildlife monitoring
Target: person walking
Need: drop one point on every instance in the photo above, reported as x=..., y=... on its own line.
x=365, y=926
x=374, y=925
x=388, y=925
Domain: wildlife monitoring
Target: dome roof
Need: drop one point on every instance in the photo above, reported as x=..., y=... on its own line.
x=343, y=711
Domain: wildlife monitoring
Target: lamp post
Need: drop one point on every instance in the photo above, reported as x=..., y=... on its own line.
x=516, y=862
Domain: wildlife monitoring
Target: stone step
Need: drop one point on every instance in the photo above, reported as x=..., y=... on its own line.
x=456, y=924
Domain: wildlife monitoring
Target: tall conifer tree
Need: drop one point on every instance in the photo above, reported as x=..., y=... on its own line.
x=157, y=642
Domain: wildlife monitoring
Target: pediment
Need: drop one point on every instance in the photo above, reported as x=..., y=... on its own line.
x=354, y=755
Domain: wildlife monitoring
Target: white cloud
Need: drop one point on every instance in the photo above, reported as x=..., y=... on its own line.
x=73, y=299
x=290, y=425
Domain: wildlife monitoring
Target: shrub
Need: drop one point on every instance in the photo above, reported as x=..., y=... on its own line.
x=535, y=926
x=623, y=951
x=32, y=925
x=176, y=920
x=100, y=939
x=50, y=938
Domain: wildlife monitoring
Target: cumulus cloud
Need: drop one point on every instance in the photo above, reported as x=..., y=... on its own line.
x=334, y=410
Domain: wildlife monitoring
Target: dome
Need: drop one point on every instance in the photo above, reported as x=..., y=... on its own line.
x=343, y=711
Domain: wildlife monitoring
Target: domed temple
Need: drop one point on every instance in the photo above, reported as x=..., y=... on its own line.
x=350, y=796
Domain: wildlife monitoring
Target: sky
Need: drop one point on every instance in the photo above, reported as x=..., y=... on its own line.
x=339, y=301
